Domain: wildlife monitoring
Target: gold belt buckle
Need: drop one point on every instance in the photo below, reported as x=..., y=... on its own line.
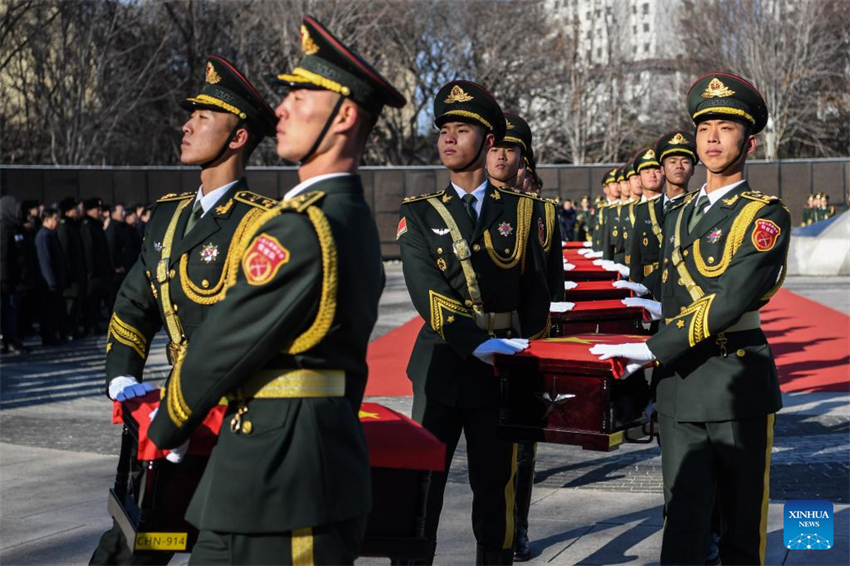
x=461, y=249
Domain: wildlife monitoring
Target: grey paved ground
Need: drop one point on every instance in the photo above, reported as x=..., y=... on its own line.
x=57, y=460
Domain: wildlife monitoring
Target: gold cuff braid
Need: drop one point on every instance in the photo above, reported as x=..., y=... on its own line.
x=127, y=335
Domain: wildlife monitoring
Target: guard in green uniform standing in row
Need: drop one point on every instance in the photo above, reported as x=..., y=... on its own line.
x=474, y=266
x=289, y=480
x=648, y=229
x=188, y=247
x=600, y=223
x=503, y=162
x=725, y=252
x=613, y=214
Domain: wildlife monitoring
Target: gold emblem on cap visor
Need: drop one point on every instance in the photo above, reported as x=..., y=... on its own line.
x=650, y=154
x=308, y=46
x=212, y=76
x=457, y=95
x=508, y=124
x=717, y=89
x=677, y=139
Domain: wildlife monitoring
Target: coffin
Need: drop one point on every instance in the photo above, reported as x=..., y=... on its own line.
x=557, y=391
x=609, y=316
x=402, y=455
x=595, y=291
x=584, y=270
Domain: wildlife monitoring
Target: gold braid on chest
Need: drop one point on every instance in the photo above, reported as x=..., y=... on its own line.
x=733, y=242
x=525, y=209
x=215, y=293
x=550, y=225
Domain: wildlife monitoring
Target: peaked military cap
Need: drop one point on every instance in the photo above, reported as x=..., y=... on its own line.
x=518, y=132
x=721, y=95
x=227, y=90
x=91, y=203
x=328, y=64
x=677, y=142
x=464, y=101
x=621, y=173
x=67, y=204
x=610, y=176
x=630, y=170
x=647, y=157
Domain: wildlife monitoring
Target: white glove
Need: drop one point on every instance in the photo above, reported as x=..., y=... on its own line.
x=637, y=355
x=568, y=266
x=570, y=285
x=126, y=387
x=507, y=346
x=652, y=307
x=587, y=244
x=636, y=288
x=637, y=352
x=175, y=455
x=585, y=252
x=601, y=262
x=618, y=267
x=594, y=254
x=562, y=306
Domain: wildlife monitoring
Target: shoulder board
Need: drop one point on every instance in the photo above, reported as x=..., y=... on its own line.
x=683, y=200
x=512, y=191
x=175, y=196
x=422, y=197
x=253, y=199
x=301, y=202
x=760, y=197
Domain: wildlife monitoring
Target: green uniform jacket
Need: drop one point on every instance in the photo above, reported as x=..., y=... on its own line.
x=600, y=215
x=612, y=238
x=507, y=256
x=302, y=300
x=647, y=236
x=736, y=256
x=196, y=274
x=552, y=249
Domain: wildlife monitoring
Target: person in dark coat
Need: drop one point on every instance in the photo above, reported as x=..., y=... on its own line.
x=99, y=269
x=54, y=279
x=11, y=267
x=567, y=219
x=72, y=246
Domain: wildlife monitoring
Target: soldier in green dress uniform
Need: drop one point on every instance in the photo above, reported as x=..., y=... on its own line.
x=188, y=246
x=475, y=270
x=600, y=224
x=503, y=161
x=724, y=257
x=648, y=231
x=289, y=480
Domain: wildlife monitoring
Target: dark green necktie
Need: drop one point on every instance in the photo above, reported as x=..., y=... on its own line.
x=197, y=212
x=469, y=204
x=698, y=212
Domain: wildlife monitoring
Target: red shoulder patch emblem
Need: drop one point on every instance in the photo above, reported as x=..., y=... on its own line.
x=263, y=259
x=765, y=234
x=402, y=227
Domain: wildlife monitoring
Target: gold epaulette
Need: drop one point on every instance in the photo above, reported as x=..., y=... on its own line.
x=517, y=192
x=175, y=196
x=422, y=197
x=301, y=202
x=760, y=197
x=256, y=200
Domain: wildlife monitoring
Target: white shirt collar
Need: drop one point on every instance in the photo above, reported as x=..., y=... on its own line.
x=668, y=199
x=208, y=200
x=477, y=193
x=304, y=185
x=644, y=199
x=716, y=195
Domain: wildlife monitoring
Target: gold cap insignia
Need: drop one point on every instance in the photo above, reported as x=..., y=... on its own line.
x=650, y=154
x=457, y=95
x=509, y=125
x=677, y=139
x=212, y=76
x=717, y=89
x=308, y=46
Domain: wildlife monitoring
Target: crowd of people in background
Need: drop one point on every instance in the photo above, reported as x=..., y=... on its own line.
x=62, y=264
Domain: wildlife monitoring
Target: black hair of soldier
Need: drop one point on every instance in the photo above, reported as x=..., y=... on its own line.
x=49, y=212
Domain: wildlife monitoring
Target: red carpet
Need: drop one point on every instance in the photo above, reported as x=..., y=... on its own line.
x=811, y=343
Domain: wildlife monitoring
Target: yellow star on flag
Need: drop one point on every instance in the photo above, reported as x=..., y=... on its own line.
x=367, y=415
